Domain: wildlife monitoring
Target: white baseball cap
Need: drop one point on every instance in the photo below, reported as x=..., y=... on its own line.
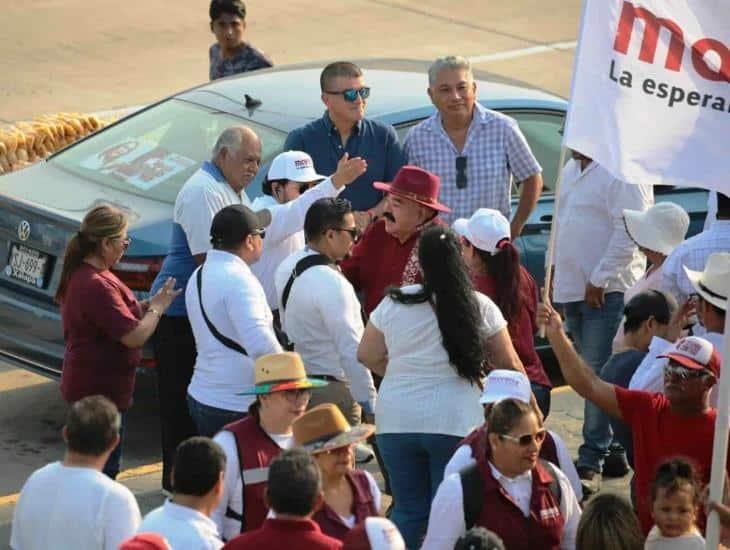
x=375, y=533
x=660, y=228
x=695, y=353
x=506, y=384
x=295, y=166
x=487, y=229
x=713, y=284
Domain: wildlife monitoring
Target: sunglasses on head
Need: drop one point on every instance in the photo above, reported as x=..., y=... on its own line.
x=460, y=172
x=683, y=373
x=260, y=232
x=351, y=93
x=525, y=440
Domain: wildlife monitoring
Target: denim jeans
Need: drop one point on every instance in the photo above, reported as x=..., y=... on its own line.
x=114, y=462
x=415, y=464
x=209, y=420
x=542, y=396
x=593, y=331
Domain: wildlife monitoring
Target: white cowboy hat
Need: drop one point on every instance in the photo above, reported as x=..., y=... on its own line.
x=660, y=228
x=713, y=284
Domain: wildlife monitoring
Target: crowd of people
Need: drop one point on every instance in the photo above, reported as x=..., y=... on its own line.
x=372, y=303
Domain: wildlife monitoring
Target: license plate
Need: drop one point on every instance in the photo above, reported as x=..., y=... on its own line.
x=27, y=265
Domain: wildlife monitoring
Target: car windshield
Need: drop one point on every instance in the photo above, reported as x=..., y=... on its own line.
x=153, y=153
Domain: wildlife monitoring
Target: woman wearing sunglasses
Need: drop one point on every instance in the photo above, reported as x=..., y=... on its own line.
x=528, y=502
x=350, y=495
x=104, y=326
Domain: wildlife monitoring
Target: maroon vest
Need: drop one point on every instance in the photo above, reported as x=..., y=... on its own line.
x=363, y=506
x=478, y=442
x=542, y=529
x=256, y=450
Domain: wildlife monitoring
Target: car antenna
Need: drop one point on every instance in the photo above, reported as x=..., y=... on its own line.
x=251, y=103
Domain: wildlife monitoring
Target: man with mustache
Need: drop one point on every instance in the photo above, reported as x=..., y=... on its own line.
x=387, y=254
x=476, y=152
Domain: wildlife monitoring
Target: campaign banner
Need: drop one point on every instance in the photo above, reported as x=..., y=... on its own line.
x=650, y=98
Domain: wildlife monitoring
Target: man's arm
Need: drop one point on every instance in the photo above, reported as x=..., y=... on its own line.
x=531, y=189
x=577, y=374
x=250, y=316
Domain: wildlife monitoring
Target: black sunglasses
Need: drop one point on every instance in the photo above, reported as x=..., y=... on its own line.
x=351, y=93
x=260, y=232
x=354, y=232
x=460, y=172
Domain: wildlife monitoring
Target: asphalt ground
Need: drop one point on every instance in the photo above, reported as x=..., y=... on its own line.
x=76, y=56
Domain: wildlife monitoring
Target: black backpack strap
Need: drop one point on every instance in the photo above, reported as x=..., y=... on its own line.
x=302, y=265
x=471, y=491
x=231, y=344
x=554, y=486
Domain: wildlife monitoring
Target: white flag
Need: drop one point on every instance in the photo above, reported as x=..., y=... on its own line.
x=650, y=97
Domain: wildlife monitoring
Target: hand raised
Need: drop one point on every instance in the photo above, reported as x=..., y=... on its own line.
x=348, y=170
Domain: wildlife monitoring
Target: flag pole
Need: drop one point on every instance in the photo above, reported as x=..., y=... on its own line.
x=551, y=241
x=719, y=445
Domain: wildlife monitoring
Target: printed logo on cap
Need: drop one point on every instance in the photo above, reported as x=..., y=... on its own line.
x=303, y=164
x=690, y=347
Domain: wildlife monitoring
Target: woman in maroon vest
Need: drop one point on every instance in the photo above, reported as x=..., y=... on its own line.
x=495, y=269
x=350, y=495
x=529, y=503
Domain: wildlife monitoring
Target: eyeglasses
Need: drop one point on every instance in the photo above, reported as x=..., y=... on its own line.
x=527, y=439
x=339, y=450
x=260, y=232
x=460, y=172
x=126, y=242
x=297, y=395
x=351, y=93
x=683, y=373
x=354, y=232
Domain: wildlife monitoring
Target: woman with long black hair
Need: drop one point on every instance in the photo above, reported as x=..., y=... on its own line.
x=431, y=343
x=495, y=269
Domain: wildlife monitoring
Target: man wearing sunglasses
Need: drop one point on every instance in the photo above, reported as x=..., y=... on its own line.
x=321, y=313
x=344, y=129
x=476, y=152
x=290, y=175
x=679, y=422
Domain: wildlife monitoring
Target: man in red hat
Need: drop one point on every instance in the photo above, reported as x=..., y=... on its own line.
x=387, y=254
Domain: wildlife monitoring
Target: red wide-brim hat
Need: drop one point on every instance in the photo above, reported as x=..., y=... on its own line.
x=416, y=184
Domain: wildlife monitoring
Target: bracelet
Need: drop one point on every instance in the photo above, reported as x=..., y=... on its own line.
x=155, y=311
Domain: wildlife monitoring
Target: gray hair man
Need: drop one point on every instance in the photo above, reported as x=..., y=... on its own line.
x=476, y=172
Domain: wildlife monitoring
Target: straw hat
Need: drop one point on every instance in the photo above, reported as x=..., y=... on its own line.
x=660, y=228
x=713, y=284
x=323, y=428
x=487, y=229
x=280, y=372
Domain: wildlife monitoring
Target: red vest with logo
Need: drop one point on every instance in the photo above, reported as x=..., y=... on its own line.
x=543, y=528
x=256, y=450
x=478, y=442
x=363, y=506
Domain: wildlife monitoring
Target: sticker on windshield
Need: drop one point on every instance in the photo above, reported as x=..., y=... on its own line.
x=138, y=162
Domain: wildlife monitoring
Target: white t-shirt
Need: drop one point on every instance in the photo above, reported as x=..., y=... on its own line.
x=691, y=541
x=463, y=458
x=421, y=391
x=183, y=527
x=73, y=507
x=233, y=485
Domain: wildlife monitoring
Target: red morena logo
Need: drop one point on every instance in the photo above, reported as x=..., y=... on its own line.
x=690, y=347
x=302, y=164
x=650, y=37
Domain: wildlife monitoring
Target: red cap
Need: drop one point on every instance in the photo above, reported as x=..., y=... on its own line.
x=695, y=353
x=145, y=541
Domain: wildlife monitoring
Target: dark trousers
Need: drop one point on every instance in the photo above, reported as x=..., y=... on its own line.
x=114, y=462
x=175, y=351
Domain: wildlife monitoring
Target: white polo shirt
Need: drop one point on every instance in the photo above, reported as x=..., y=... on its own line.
x=322, y=318
x=236, y=305
x=284, y=235
x=183, y=527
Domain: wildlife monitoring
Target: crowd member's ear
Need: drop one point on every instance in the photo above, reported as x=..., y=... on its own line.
x=709, y=381
x=318, y=502
x=219, y=485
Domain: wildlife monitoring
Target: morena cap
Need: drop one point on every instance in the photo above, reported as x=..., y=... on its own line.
x=506, y=384
x=695, y=353
x=487, y=229
x=295, y=166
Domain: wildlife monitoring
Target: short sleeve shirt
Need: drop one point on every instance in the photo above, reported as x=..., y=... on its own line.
x=248, y=59
x=495, y=151
x=97, y=310
x=660, y=435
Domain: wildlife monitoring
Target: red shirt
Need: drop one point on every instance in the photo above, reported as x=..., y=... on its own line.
x=278, y=534
x=378, y=261
x=660, y=435
x=523, y=331
x=97, y=311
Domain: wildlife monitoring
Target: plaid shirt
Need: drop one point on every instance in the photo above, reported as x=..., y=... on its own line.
x=248, y=59
x=496, y=150
x=693, y=253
